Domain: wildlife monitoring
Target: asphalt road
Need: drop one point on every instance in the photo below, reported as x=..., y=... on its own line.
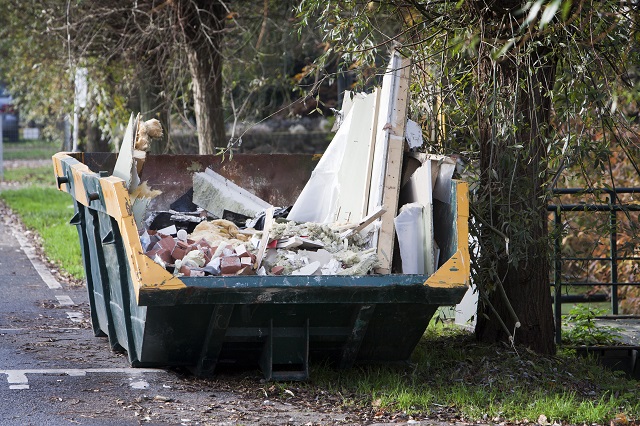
x=54, y=371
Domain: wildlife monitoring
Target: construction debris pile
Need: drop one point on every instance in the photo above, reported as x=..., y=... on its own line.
x=367, y=190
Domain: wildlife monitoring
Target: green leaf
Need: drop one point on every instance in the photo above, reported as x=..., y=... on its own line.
x=533, y=12
x=549, y=12
x=566, y=9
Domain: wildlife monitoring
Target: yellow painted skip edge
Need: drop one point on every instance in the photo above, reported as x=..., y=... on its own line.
x=145, y=273
x=455, y=272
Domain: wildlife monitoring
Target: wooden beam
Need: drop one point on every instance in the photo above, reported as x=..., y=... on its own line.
x=390, y=139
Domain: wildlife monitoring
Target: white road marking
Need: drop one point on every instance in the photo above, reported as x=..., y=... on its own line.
x=65, y=300
x=75, y=316
x=40, y=268
x=17, y=379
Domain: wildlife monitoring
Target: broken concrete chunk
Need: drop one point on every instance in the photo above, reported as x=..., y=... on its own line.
x=216, y=193
x=322, y=256
x=241, y=250
x=213, y=267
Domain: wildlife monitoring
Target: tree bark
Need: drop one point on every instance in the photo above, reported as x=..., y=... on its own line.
x=202, y=22
x=153, y=104
x=513, y=165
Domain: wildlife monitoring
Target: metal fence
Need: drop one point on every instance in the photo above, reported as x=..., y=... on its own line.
x=614, y=206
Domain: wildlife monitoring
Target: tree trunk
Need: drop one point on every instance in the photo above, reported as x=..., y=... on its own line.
x=153, y=104
x=202, y=22
x=513, y=165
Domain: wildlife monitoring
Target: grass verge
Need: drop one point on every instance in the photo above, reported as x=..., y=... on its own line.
x=30, y=175
x=454, y=378
x=47, y=211
x=30, y=150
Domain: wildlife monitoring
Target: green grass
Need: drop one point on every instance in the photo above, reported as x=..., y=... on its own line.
x=453, y=376
x=48, y=211
x=31, y=176
x=42, y=207
x=30, y=150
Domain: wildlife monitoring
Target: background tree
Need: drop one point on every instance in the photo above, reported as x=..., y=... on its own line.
x=201, y=62
x=500, y=82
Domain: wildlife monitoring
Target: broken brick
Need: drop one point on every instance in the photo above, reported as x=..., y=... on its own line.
x=230, y=264
x=185, y=270
x=277, y=270
x=180, y=250
x=162, y=253
x=202, y=243
x=167, y=242
x=197, y=272
x=247, y=270
x=208, y=254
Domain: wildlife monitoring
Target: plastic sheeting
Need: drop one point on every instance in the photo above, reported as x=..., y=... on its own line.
x=318, y=200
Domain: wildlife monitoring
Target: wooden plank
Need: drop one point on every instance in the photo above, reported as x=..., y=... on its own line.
x=385, y=186
x=363, y=223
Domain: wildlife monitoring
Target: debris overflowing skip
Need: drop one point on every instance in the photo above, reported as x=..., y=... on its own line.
x=344, y=222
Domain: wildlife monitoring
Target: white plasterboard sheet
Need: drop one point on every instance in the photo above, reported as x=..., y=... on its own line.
x=418, y=189
x=125, y=167
x=355, y=169
x=410, y=231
